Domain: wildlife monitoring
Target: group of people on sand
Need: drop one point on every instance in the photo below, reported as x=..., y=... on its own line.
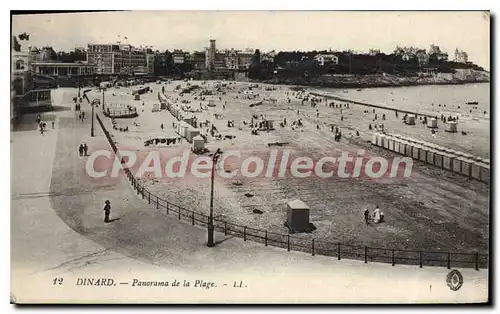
x=83, y=149
x=377, y=216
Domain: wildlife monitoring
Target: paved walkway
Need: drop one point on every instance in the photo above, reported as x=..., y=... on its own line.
x=145, y=244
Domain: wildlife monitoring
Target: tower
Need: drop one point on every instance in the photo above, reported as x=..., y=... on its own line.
x=211, y=51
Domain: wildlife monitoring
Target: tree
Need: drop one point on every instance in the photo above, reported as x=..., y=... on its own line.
x=255, y=66
x=15, y=44
x=169, y=62
x=256, y=58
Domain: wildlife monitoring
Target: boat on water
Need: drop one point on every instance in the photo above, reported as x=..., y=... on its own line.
x=345, y=90
x=472, y=103
x=359, y=89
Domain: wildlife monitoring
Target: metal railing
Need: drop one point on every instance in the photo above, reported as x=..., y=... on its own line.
x=312, y=246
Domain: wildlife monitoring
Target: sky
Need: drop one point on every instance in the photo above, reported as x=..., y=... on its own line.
x=265, y=30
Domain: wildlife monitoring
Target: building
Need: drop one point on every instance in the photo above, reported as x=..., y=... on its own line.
x=210, y=56
x=178, y=56
x=436, y=52
x=117, y=58
x=323, y=59
x=434, y=49
x=422, y=57
x=63, y=69
x=407, y=56
x=461, y=56
x=150, y=63
x=268, y=57
x=373, y=52
x=231, y=59
x=24, y=96
x=245, y=58
x=198, y=59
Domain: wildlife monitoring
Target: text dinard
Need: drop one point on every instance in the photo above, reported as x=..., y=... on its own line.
x=146, y=283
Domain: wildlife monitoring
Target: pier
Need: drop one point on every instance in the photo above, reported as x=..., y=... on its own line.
x=372, y=105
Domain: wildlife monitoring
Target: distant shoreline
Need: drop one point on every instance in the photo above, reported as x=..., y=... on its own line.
x=380, y=80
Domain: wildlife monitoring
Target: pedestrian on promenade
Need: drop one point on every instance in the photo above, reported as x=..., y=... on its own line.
x=80, y=116
x=85, y=149
x=107, y=211
x=80, y=150
x=161, y=126
x=52, y=124
x=83, y=115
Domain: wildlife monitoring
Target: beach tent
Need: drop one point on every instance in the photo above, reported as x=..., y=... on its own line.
x=476, y=170
x=451, y=126
x=374, y=138
x=447, y=161
x=198, y=143
x=297, y=215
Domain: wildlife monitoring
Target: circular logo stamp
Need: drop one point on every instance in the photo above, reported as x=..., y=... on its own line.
x=454, y=280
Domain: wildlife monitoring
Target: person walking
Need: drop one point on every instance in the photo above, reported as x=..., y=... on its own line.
x=107, y=210
x=85, y=149
x=80, y=150
x=52, y=124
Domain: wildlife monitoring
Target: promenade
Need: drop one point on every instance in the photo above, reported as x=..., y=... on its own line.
x=57, y=231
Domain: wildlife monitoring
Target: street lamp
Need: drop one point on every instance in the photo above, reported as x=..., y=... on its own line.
x=103, y=89
x=92, y=104
x=210, y=242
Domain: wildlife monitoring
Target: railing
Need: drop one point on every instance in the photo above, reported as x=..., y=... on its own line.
x=120, y=113
x=312, y=246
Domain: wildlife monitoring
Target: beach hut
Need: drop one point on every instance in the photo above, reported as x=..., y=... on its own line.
x=410, y=119
x=396, y=142
x=374, y=138
x=475, y=172
x=438, y=159
x=380, y=140
x=447, y=161
x=423, y=153
x=485, y=172
x=451, y=126
x=182, y=128
x=297, y=216
x=191, y=133
x=432, y=123
x=408, y=149
x=466, y=167
x=198, y=144
x=457, y=164
x=415, y=150
x=387, y=140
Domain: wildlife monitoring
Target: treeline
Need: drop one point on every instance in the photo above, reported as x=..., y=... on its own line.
x=301, y=64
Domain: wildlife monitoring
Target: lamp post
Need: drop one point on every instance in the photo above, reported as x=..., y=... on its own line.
x=210, y=242
x=103, y=99
x=92, y=125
